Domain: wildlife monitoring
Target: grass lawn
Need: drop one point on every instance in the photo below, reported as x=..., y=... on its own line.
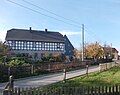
x=93, y=82
x=108, y=77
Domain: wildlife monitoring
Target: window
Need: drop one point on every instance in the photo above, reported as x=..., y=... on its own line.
x=10, y=43
x=36, y=46
x=42, y=46
x=51, y=46
x=58, y=46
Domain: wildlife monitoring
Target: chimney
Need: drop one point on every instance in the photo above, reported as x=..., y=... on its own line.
x=30, y=28
x=45, y=30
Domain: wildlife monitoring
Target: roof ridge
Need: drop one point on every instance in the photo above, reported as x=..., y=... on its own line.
x=25, y=34
x=36, y=31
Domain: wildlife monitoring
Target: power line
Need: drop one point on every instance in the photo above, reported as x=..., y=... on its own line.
x=47, y=15
x=42, y=13
x=51, y=12
x=92, y=34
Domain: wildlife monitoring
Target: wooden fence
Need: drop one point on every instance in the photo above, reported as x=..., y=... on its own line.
x=81, y=90
x=36, y=69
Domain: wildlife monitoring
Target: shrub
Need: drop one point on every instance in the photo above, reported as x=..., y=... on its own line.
x=16, y=62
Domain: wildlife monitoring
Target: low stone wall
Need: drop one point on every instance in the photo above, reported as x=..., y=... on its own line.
x=106, y=66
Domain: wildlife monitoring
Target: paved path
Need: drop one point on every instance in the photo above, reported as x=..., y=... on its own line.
x=48, y=79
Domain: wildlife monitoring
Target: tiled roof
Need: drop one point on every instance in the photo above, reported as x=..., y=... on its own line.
x=34, y=35
x=114, y=50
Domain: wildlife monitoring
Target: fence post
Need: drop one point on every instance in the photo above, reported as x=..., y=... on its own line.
x=87, y=69
x=32, y=69
x=64, y=75
x=11, y=81
x=100, y=66
x=49, y=67
x=9, y=88
x=117, y=89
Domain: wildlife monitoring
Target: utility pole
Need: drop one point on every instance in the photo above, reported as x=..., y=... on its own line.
x=82, y=42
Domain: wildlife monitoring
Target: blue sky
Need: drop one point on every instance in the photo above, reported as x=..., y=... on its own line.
x=101, y=18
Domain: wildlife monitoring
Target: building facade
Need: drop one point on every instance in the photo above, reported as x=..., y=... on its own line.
x=69, y=49
x=115, y=54
x=35, y=43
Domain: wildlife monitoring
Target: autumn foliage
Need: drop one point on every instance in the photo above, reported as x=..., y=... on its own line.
x=92, y=51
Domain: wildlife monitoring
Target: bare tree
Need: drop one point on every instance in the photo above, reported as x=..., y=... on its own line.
x=78, y=53
x=107, y=51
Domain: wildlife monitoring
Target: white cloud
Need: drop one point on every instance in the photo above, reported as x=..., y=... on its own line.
x=70, y=33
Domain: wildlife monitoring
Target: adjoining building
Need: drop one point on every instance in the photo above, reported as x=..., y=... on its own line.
x=38, y=43
x=115, y=54
x=110, y=52
x=69, y=48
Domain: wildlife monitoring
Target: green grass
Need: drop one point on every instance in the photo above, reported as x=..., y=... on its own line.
x=108, y=77
x=105, y=78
